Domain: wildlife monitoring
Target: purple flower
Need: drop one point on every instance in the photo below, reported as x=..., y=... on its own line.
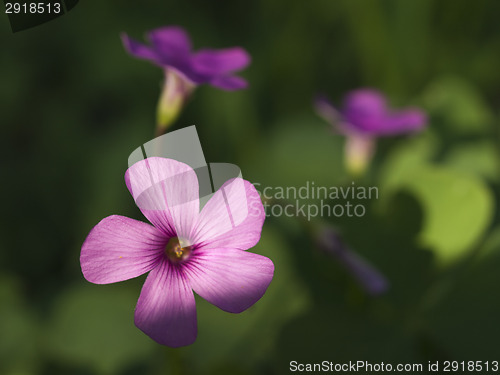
x=171, y=49
x=365, y=112
x=364, y=117
x=185, y=250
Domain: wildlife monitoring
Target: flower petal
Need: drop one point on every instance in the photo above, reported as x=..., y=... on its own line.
x=232, y=218
x=231, y=279
x=139, y=50
x=167, y=193
x=119, y=248
x=166, y=309
x=364, y=103
x=229, y=83
x=406, y=121
x=172, y=44
x=330, y=114
x=220, y=62
x=364, y=111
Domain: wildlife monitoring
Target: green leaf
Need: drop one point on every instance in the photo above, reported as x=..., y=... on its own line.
x=410, y=154
x=478, y=158
x=457, y=207
x=18, y=331
x=93, y=325
x=459, y=104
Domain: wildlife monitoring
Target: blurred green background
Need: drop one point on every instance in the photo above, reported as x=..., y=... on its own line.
x=74, y=105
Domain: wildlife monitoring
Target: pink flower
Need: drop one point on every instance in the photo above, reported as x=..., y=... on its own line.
x=364, y=117
x=170, y=48
x=185, y=250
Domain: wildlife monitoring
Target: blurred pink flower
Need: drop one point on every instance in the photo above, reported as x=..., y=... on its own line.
x=365, y=112
x=170, y=49
x=363, y=118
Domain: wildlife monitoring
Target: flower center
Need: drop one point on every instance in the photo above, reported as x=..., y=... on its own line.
x=175, y=251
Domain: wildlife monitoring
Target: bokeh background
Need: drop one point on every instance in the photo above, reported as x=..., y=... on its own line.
x=74, y=105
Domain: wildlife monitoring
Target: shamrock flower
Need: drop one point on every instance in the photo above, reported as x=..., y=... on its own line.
x=364, y=117
x=171, y=50
x=185, y=250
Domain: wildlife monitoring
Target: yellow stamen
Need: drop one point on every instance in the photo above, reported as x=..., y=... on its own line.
x=176, y=250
